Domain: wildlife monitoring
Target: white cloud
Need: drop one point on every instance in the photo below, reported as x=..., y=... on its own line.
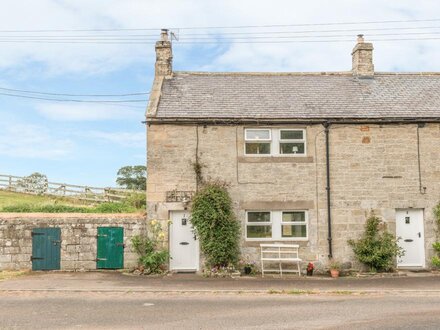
x=125, y=139
x=33, y=141
x=87, y=112
x=58, y=59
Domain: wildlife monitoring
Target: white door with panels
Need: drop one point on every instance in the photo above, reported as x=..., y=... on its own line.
x=184, y=245
x=409, y=227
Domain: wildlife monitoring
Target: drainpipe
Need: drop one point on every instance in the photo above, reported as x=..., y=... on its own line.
x=329, y=217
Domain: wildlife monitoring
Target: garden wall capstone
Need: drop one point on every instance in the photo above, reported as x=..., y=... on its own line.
x=78, y=237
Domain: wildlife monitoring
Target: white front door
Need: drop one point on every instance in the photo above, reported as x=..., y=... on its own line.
x=184, y=246
x=409, y=227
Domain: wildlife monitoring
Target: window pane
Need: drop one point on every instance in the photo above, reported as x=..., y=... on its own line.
x=258, y=148
x=294, y=217
x=257, y=134
x=292, y=135
x=292, y=148
x=259, y=231
x=258, y=217
x=294, y=231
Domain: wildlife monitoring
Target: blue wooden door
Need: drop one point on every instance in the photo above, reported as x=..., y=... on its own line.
x=46, y=248
x=110, y=248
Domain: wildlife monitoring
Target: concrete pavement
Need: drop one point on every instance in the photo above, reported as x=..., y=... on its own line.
x=119, y=282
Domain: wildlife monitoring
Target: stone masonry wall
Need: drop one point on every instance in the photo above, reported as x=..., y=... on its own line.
x=373, y=168
x=78, y=237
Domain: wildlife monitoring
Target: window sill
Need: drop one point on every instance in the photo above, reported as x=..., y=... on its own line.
x=275, y=159
x=303, y=239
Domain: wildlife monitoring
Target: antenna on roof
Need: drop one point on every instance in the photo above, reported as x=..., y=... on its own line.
x=174, y=35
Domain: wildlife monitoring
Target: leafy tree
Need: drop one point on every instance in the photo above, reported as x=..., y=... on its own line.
x=132, y=177
x=35, y=183
x=377, y=248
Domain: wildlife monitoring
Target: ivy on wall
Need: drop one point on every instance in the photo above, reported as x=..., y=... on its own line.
x=216, y=225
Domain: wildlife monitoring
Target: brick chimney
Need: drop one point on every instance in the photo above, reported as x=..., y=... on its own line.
x=362, y=58
x=164, y=55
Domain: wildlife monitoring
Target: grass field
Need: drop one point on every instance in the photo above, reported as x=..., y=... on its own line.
x=19, y=202
x=8, y=198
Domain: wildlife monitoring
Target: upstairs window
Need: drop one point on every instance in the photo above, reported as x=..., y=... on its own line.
x=292, y=141
x=258, y=141
x=275, y=142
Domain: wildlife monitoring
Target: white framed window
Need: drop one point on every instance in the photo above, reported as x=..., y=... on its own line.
x=292, y=142
x=258, y=141
x=282, y=142
x=277, y=225
x=259, y=224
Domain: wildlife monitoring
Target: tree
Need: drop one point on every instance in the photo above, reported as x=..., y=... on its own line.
x=35, y=183
x=132, y=177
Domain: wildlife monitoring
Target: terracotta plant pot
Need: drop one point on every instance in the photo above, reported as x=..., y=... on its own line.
x=310, y=272
x=334, y=273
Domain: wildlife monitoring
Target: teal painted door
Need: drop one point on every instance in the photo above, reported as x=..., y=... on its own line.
x=110, y=248
x=46, y=248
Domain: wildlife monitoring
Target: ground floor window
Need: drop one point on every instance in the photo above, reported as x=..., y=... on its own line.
x=276, y=225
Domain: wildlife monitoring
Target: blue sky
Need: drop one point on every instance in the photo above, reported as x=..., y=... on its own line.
x=86, y=143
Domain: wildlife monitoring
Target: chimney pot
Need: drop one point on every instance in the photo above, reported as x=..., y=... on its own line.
x=362, y=58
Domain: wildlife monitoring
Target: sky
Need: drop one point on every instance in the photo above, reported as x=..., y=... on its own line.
x=85, y=143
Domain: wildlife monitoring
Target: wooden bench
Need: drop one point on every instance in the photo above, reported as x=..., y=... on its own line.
x=280, y=253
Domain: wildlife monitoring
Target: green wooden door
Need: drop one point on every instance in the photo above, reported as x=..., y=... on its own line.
x=110, y=248
x=46, y=248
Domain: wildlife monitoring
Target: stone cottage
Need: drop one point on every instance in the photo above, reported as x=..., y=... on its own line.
x=307, y=155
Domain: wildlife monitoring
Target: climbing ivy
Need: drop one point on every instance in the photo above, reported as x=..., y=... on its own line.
x=216, y=225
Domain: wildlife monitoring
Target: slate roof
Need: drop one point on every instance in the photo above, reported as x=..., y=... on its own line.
x=299, y=96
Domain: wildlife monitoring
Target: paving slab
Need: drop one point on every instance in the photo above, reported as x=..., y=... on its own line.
x=120, y=282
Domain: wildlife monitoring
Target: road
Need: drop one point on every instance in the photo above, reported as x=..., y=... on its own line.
x=135, y=310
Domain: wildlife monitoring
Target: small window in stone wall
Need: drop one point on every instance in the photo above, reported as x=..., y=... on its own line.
x=275, y=142
x=276, y=225
x=258, y=141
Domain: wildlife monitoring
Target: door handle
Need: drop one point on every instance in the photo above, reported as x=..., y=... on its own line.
x=420, y=234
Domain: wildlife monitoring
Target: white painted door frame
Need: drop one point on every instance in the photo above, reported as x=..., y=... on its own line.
x=184, y=246
x=410, y=229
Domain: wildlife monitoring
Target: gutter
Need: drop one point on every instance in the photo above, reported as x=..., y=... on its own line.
x=327, y=188
x=264, y=121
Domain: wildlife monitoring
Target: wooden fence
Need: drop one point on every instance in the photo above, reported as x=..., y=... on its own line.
x=92, y=194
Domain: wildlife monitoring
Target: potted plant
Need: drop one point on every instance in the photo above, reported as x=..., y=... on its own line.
x=310, y=268
x=335, y=268
x=248, y=267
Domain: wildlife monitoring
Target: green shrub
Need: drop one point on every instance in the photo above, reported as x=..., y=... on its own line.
x=435, y=260
x=113, y=208
x=136, y=200
x=57, y=208
x=376, y=248
x=29, y=208
x=151, y=249
x=216, y=226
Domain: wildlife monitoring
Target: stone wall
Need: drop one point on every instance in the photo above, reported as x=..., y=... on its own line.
x=78, y=237
x=373, y=167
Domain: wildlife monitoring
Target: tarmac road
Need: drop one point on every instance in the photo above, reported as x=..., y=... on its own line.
x=146, y=310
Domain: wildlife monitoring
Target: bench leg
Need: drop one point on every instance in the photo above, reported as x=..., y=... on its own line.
x=299, y=269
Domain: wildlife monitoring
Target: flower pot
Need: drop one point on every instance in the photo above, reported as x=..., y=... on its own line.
x=247, y=270
x=334, y=273
x=309, y=272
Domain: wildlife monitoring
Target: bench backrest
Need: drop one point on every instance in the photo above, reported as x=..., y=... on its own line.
x=281, y=251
